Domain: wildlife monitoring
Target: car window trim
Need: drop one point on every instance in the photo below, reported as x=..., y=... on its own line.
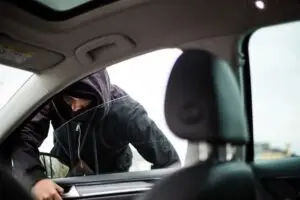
x=245, y=82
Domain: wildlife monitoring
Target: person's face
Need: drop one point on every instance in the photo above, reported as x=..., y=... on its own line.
x=76, y=103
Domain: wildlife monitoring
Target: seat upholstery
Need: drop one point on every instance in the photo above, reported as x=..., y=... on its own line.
x=203, y=104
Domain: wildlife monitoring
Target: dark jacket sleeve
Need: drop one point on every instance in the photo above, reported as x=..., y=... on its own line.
x=25, y=156
x=139, y=130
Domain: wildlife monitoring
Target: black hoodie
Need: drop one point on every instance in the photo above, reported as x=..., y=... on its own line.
x=105, y=132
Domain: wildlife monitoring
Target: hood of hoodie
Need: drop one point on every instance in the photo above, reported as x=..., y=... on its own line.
x=95, y=87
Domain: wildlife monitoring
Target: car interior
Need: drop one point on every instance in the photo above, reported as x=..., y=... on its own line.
x=208, y=96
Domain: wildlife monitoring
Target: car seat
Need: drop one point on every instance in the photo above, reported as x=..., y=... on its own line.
x=203, y=104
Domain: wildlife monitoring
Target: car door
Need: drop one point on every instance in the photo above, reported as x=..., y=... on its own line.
x=111, y=186
x=271, y=80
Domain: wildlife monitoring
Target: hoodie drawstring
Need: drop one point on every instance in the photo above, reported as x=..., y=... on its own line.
x=82, y=141
x=78, y=129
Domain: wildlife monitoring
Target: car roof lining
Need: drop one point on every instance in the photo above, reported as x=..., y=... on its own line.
x=161, y=25
x=173, y=24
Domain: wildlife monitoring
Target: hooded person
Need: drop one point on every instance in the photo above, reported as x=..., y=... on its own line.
x=95, y=139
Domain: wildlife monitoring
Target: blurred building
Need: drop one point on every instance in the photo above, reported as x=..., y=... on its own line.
x=264, y=151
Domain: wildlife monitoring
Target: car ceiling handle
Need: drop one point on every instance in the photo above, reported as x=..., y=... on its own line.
x=72, y=193
x=101, y=48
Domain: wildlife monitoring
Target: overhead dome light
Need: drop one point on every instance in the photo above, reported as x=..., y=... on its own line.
x=260, y=4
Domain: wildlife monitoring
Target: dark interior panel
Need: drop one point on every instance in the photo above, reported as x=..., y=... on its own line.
x=281, y=168
x=278, y=179
x=282, y=188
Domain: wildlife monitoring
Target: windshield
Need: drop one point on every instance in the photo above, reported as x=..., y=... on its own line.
x=96, y=141
x=11, y=79
x=62, y=5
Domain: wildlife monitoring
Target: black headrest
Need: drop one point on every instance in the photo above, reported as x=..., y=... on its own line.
x=203, y=101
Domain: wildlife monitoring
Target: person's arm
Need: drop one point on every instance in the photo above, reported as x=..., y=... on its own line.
x=25, y=156
x=27, y=166
x=144, y=134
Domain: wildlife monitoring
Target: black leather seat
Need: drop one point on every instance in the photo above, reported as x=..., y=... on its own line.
x=203, y=104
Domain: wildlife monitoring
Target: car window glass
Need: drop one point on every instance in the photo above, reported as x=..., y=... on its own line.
x=11, y=79
x=143, y=81
x=274, y=54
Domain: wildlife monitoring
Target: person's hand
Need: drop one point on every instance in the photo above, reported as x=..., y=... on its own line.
x=46, y=189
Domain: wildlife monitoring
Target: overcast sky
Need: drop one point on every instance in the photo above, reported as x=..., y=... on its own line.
x=11, y=80
x=275, y=70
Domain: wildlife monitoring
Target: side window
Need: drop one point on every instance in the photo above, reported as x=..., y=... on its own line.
x=131, y=117
x=274, y=54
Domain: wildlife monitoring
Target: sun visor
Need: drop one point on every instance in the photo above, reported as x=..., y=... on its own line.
x=25, y=56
